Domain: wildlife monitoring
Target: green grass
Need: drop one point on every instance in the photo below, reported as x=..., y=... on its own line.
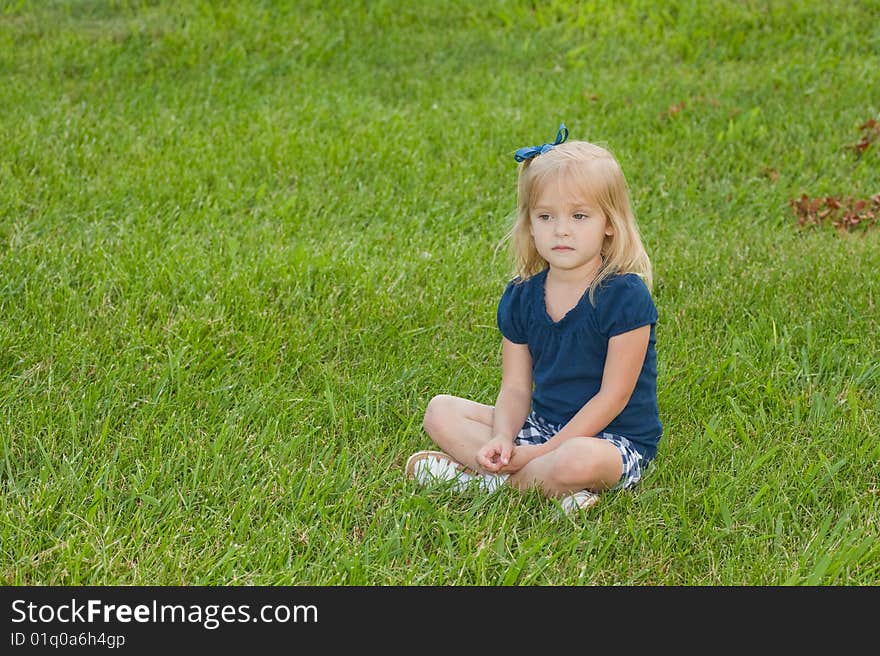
x=241, y=247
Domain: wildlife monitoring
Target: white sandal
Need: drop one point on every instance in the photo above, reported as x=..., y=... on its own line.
x=434, y=464
x=426, y=467
x=579, y=501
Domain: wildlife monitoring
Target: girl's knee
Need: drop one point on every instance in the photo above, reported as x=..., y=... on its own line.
x=574, y=469
x=439, y=409
x=583, y=463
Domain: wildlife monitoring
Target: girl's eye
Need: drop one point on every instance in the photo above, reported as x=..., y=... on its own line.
x=581, y=217
x=543, y=217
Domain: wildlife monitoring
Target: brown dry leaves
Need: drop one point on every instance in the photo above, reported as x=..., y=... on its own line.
x=870, y=133
x=672, y=110
x=843, y=214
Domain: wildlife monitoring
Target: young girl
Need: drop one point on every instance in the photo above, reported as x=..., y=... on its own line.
x=577, y=410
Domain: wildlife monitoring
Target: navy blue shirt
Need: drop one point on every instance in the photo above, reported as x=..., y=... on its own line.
x=568, y=356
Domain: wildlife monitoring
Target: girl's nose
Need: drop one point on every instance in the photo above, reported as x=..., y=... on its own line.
x=562, y=226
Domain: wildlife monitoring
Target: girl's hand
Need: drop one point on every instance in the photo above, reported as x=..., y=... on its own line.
x=522, y=455
x=495, y=454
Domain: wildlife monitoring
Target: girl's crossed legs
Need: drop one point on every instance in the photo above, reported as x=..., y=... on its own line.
x=461, y=427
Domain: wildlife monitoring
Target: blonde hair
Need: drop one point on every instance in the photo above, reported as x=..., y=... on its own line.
x=595, y=173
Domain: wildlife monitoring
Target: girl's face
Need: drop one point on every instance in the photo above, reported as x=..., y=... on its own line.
x=568, y=228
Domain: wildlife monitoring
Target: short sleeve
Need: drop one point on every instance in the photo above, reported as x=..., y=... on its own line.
x=624, y=305
x=510, y=313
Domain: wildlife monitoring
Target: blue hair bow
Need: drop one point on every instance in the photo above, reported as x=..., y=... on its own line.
x=533, y=151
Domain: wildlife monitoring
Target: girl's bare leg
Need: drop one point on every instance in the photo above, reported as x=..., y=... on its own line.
x=579, y=463
x=460, y=427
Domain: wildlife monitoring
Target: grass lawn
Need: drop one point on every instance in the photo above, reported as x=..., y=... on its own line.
x=242, y=245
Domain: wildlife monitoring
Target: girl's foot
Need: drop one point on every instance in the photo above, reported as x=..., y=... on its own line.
x=581, y=500
x=426, y=467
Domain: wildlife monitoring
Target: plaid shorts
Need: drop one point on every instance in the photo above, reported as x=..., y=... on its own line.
x=538, y=430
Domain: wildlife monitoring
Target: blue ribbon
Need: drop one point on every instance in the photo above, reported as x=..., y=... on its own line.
x=533, y=151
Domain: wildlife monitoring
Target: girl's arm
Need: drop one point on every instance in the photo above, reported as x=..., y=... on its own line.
x=623, y=364
x=515, y=396
x=512, y=406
